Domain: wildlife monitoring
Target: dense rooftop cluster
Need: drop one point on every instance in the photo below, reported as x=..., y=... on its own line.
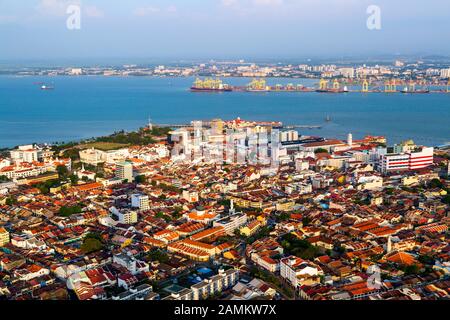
x=332, y=221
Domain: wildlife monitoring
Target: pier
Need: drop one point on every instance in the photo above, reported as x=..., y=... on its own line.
x=299, y=126
x=207, y=123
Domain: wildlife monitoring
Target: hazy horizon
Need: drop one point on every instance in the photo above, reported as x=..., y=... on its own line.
x=221, y=29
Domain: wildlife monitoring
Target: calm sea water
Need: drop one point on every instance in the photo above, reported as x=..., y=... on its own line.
x=83, y=107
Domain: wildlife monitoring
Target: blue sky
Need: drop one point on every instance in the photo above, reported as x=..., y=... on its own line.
x=36, y=29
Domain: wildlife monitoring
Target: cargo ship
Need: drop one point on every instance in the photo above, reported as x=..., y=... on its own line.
x=407, y=90
x=258, y=86
x=210, y=85
x=333, y=90
x=323, y=87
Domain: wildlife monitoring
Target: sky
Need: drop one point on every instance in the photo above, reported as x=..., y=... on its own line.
x=37, y=29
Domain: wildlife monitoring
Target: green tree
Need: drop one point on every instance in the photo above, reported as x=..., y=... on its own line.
x=282, y=216
x=306, y=221
x=436, y=183
x=158, y=255
x=72, y=153
x=11, y=201
x=62, y=171
x=140, y=179
x=412, y=269
x=446, y=199
x=300, y=248
x=74, y=179
x=65, y=211
x=91, y=245
x=92, y=242
x=426, y=259
x=320, y=150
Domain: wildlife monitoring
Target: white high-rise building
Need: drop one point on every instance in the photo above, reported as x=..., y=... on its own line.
x=347, y=72
x=445, y=73
x=350, y=139
x=140, y=201
x=26, y=153
x=125, y=216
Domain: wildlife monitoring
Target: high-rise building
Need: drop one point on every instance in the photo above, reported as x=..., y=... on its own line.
x=26, y=153
x=291, y=135
x=350, y=139
x=445, y=73
x=124, y=171
x=140, y=201
x=216, y=127
x=125, y=216
x=347, y=72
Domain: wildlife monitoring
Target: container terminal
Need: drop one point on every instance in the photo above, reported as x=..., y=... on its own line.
x=323, y=86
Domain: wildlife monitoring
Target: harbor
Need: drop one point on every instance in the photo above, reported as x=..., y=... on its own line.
x=325, y=86
x=73, y=111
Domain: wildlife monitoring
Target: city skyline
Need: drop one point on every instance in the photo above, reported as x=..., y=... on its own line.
x=221, y=29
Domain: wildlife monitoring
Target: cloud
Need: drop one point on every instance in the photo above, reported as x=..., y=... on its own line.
x=229, y=3
x=150, y=10
x=93, y=12
x=172, y=8
x=55, y=7
x=244, y=6
x=267, y=2
x=145, y=11
x=7, y=19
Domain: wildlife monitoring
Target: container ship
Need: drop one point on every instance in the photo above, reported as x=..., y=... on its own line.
x=333, y=90
x=210, y=85
x=323, y=87
x=407, y=90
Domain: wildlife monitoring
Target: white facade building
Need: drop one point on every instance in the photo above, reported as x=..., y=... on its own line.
x=410, y=160
x=125, y=216
x=232, y=222
x=140, y=201
x=26, y=153
x=124, y=171
x=295, y=269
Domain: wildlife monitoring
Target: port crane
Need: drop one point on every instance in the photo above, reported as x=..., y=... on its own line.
x=365, y=86
x=336, y=85
x=323, y=84
x=390, y=86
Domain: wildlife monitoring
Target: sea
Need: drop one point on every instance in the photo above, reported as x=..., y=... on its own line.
x=90, y=106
